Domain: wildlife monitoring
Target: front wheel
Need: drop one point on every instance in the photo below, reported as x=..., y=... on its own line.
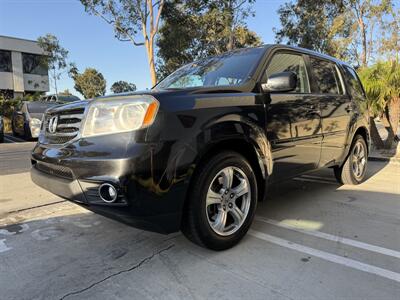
x=27, y=133
x=221, y=203
x=354, y=169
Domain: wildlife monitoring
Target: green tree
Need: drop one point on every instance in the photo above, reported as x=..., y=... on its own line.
x=307, y=23
x=200, y=28
x=129, y=19
x=56, y=57
x=66, y=92
x=352, y=30
x=382, y=85
x=90, y=83
x=122, y=87
x=367, y=20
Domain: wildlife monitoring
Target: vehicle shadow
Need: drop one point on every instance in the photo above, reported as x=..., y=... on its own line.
x=66, y=255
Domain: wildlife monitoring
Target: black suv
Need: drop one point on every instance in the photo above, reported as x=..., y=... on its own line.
x=197, y=151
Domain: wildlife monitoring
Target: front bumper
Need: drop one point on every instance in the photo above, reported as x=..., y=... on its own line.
x=150, y=193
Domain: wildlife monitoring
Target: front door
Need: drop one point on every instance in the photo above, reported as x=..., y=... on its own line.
x=293, y=120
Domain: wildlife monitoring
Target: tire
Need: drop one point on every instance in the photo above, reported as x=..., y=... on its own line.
x=27, y=133
x=14, y=132
x=348, y=173
x=223, y=223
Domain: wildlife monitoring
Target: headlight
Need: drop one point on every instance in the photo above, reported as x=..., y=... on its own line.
x=107, y=116
x=34, y=123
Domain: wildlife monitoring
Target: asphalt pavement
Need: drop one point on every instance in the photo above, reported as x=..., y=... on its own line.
x=312, y=239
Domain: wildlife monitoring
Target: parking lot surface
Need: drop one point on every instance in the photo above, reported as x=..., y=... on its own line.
x=312, y=239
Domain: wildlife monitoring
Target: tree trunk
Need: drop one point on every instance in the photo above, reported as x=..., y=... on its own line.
x=364, y=42
x=230, y=41
x=150, y=57
x=229, y=24
x=55, y=80
x=392, y=115
x=375, y=137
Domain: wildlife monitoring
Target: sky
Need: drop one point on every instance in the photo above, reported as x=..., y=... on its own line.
x=91, y=42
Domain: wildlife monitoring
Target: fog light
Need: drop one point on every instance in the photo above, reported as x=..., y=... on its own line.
x=108, y=193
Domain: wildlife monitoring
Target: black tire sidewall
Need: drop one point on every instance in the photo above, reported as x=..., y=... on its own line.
x=27, y=132
x=207, y=235
x=360, y=139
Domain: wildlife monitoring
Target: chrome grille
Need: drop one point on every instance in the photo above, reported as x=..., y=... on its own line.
x=68, y=125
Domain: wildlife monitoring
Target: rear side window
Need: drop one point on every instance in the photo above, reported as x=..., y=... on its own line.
x=356, y=89
x=285, y=62
x=326, y=77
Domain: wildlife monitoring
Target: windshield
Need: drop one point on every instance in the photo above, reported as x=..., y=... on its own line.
x=70, y=98
x=228, y=69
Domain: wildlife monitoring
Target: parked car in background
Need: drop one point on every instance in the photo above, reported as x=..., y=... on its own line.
x=26, y=120
x=197, y=152
x=1, y=130
x=62, y=99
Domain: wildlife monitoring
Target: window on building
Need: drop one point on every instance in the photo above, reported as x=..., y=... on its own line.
x=285, y=62
x=5, y=61
x=34, y=64
x=326, y=77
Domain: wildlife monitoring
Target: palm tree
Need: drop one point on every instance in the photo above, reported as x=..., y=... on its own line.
x=382, y=85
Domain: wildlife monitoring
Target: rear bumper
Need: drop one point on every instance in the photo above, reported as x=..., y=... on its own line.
x=145, y=198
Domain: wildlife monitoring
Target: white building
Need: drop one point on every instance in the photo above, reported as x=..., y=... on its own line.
x=21, y=68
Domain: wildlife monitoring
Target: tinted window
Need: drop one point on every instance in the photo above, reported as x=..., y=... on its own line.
x=70, y=98
x=230, y=68
x=326, y=77
x=33, y=64
x=354, y=83
x=284, y=62
x=5, y=61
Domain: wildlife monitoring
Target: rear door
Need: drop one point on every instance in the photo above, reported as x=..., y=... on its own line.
x=335, y=106
x=293, y=120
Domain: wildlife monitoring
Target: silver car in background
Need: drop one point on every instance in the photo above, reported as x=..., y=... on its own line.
x=27, y=118
x=62, y=99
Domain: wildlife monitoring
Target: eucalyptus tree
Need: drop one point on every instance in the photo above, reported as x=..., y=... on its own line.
x=135, y=21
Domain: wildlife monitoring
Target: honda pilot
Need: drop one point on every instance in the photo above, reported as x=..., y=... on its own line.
x=197, y=152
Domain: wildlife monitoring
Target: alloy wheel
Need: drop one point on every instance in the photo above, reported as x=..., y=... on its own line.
x=228, y=201
x=358, y=160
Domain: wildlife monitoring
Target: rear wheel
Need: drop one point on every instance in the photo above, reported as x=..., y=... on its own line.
x=222, y=202
x=354, y=169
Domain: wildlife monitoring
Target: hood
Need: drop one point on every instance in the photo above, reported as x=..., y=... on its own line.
x=69, y=106
x=188, y=91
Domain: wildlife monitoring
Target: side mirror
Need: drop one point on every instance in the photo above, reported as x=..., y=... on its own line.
x=280, y=82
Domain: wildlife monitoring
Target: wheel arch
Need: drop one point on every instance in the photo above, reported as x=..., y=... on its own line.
x=245, y=138
x=364, y=132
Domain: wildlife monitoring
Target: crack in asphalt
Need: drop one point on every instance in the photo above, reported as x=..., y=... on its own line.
x=37, y=206
x=138, y=265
